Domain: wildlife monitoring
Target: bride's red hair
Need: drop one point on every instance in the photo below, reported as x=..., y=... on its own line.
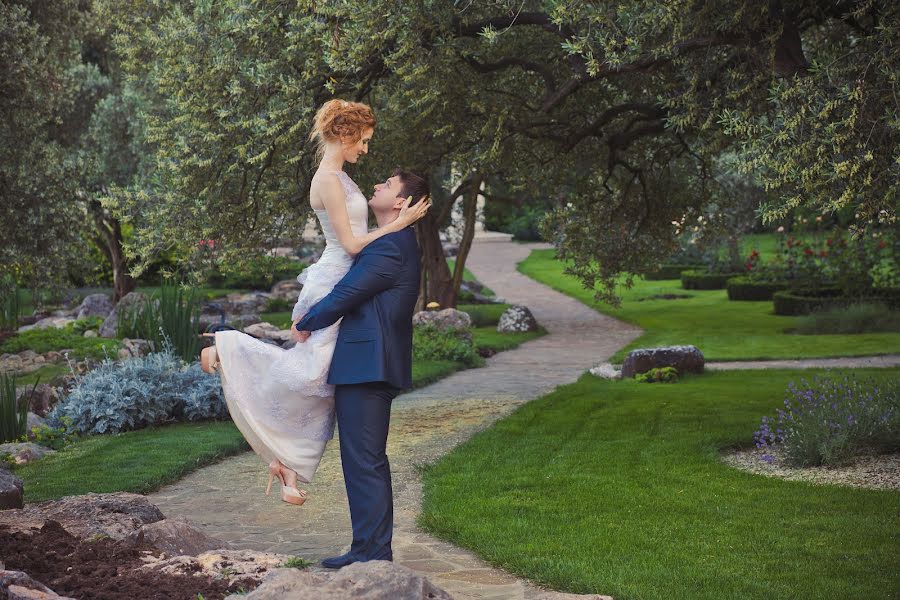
x=338, y=119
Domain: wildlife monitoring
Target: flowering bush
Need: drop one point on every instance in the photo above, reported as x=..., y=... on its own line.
x=830, y=420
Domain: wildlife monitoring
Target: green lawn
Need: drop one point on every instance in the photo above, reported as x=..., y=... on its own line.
x=615, y=487
x=135, y=461
x=722, y=329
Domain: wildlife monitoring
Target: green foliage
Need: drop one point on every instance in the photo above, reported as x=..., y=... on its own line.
x=658, y=375
x=296, y=562
x=10, y=306
x=170, y=317
x=13, y=410
x=855, y=318
x=256, y=273
x=431, y=343
x=55, y=438
x=704, y=280
x=483, y=314
x=279, y=305
x=140, y=392
x=56, y=339
x=743, y=288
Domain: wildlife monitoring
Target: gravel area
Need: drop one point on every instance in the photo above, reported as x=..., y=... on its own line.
x=878, y=472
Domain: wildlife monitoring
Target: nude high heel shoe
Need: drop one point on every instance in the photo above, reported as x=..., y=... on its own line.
x=289, y=494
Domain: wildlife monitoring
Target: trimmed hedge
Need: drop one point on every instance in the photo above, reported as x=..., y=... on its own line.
x=702, y=280
x=804, y=302
x=670, y=271
x=741, y=288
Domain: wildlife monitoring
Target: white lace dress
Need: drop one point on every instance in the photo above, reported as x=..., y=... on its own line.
x=279, y=399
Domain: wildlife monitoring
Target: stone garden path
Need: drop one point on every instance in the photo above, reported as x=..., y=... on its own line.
x=227, y=501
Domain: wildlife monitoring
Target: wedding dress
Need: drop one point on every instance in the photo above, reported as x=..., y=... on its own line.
x=279, y=399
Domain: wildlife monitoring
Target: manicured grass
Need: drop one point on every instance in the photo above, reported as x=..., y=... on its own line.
x=615, y=487
x=484, y=314
x=722, y=329
x=135, y=461
x=281, y=320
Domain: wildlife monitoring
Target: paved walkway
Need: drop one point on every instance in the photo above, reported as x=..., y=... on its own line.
x=227, y=499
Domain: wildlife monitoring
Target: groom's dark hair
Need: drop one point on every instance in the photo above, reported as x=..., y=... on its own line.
x=411, y=185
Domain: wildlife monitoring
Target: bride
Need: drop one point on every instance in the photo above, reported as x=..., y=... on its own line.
x=279, y=399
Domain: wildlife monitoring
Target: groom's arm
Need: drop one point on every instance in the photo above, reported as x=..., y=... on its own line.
x=374, y=271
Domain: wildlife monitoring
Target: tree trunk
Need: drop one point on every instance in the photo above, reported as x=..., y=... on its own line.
x=109, y=231
x=437, y=285
x=470, y=205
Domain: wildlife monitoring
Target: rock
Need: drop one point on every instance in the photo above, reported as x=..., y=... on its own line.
x=606, y=371
x=450, y=250
x=448, y=319
x=177, y=537
x=47, y=322
x=128, y=303
x=373, y=580
x=33, y=421
x=134, y=348
x=25, y=452
x=267, y=331
x=517, y=319
x=90, y=333
x=53, y=356
x=243, y=304
x=238, y=564
x=43, y=398
x=289, y=344
x=94, y=305
x=25, y=361
x=10, y=492
x=114, y=515
x=687, y=359
x=22, y=581
x=16, y=592
x=288, y=289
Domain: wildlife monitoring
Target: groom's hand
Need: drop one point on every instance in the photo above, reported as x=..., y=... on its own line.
x=297, y=335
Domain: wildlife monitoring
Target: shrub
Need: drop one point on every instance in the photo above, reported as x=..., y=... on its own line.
x=671, y=271
x=52, y=338
x=151, y=390
x=279, y=305
x=866, y=317
x=171, y=316
x=13, y=409
x=79, y=326
x=526, y=226
x=703, y=280
x=55, y=438
x=744, y=288
x=831, y=420
x=803, y=302
x=257, y=273
x=658, y=375
x=431, y=343
x=9, y=303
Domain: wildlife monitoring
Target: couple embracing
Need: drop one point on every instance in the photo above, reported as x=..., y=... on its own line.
x=353, y=327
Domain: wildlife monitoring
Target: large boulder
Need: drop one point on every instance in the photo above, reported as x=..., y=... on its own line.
x=94, y=305
x=242, y=304
x=517, y=319
x=53, y=321
x=25, y=452
x=448, y=319
x=10, y=491
x=288, y=289
x=115, y=515
x=44, y=398
x=236, y=565
x=267, y=331
x=128, y=303
x=687, y=359
x=373, y=580
x=177, y=537
x=134, y=348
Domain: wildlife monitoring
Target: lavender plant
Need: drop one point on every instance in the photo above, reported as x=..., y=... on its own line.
x=832, y=419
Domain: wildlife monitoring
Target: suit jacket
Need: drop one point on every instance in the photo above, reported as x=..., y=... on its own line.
x=376, y=298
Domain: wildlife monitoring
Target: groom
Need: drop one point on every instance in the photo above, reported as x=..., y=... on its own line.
x=372, y=363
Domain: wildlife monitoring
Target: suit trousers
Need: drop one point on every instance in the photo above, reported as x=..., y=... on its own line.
x=363, y=415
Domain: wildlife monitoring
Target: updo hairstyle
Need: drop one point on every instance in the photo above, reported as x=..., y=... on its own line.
x=338, y=119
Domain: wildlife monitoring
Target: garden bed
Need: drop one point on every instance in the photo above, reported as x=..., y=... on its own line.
x=103, y=568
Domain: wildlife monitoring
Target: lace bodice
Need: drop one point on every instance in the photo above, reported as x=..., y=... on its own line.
x=357, y=211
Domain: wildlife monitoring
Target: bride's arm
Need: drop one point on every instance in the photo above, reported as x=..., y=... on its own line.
x=335, y=200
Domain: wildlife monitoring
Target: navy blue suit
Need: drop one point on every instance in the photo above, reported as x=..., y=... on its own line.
x=372, y=363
